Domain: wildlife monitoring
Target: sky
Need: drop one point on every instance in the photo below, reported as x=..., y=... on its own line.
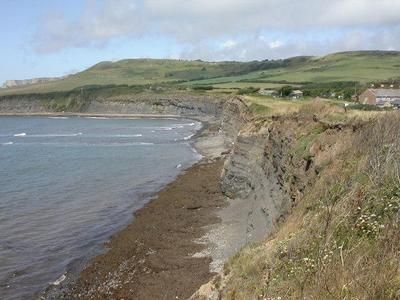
x=45, y=38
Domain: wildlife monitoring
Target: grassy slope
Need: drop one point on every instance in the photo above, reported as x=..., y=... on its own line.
x=350, y=66
x=133, y=72
x=341, y=239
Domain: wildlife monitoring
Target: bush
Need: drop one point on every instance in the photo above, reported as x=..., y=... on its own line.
x=202, y=87
x=286, y=90
x=248, y=90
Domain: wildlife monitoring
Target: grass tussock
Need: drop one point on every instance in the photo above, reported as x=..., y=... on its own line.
x=342, y=238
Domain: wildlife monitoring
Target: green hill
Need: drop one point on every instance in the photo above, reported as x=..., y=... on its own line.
x=362, y=66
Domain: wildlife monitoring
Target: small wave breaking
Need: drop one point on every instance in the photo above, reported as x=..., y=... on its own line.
x=186, y=138
x=20, y=134
x=98, y=118
x=129, y=135
x=59, y=280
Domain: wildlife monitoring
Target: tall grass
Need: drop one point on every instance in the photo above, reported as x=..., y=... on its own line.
x=342, y=239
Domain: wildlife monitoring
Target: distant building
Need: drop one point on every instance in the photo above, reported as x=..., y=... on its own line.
x=296, y=94
x=271, y=93
x=380, y=97
x=396, y=103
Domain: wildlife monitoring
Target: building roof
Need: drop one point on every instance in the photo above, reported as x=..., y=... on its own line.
x=297, y=92
x=396, y=102
x=385, y=92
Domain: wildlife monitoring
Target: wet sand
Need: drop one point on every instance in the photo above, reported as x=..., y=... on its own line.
x=152, y=258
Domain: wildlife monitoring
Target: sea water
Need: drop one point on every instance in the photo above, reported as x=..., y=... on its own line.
x=68, y=183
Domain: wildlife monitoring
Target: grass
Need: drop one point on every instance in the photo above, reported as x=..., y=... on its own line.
x=240, y=85
x=341, y=239
x=265, y=106
x=359, y=67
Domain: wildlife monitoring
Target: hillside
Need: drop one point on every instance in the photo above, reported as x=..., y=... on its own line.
x=362, y=67
x=340, y=174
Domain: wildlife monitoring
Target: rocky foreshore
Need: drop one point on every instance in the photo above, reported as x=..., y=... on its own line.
x=182, y=237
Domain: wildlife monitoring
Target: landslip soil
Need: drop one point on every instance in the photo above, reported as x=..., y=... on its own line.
x=152, y=258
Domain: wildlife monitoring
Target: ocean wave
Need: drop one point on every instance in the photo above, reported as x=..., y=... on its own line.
x=20, y=134
x=99, y=118
x=129, y=135
x=59, y=280
x=23, y=134
x=188, y=137
x=58, y=118
x=8, y=143
x=166, y=128
x=55, y=135
x=85, y=144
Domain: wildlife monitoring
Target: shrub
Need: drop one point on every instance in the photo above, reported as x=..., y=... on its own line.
x=248, y=90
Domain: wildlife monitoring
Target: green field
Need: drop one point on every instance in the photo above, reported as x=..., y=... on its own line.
x=362, y=67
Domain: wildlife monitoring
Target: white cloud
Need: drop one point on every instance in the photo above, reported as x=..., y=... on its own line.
x=275, y=44
x=229, y=44
x=358, y=24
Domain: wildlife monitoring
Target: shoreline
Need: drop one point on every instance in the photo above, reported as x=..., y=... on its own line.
x=179, y=271
x=113, y=115
x=154, y=257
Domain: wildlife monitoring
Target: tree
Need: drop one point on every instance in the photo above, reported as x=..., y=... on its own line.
x=285, y=91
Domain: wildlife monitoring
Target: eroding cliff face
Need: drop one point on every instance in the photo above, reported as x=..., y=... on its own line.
x=200, y=106
x=253, y=180
x=22, y=105
x=17, y=83
x=235, y=115
x=195, y=106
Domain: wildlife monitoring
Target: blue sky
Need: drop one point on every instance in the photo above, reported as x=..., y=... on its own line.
x=54, y=38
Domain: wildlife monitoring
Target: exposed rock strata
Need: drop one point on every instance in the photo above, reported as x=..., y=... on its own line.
x=199, y=106
x=253, y=176
x=18, y=83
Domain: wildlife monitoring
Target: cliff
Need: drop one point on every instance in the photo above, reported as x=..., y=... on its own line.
x=322, y=206
x=312, y=197
x=157, y=104
x=22, y=82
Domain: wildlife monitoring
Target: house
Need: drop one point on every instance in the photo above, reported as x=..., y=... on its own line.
x=296, y=94
x=396, y=103
x=271, y=93
x=379, y=97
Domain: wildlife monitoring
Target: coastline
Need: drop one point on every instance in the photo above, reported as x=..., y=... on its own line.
x=154, y=257
x=99, y=115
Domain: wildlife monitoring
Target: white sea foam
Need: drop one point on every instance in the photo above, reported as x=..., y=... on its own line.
x=188, y=137
x=146, y=143
x=58, y=117
x=55, y=135
x=59, y=280
x=165, y=128
x=20, y=134
x=129, y=135
x=100, y=118
x=8, y=143
x=179, y=166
